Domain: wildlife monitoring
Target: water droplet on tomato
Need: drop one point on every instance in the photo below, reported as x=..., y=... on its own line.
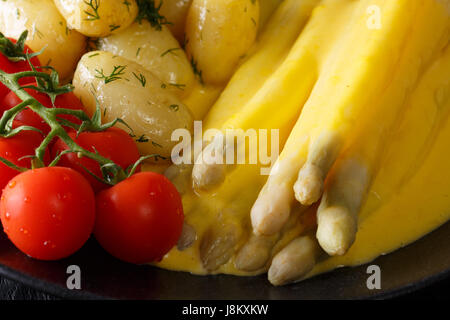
x=57, y=217
x=12, y=184
x=48, y=243
x=7, y=215
x=67, y=196
x=26, y=200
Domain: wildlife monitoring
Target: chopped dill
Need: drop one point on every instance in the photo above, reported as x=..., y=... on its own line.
x=37, y=32
x=185, y=42
x=178, y=86
x=113, y=27
x=142, y=139
x=196, y=71
x=172, y=50
x=128, y=4
x=94, y=5
x=115, y=74
x=141, y=79
x=149, y=11
x=156, y=144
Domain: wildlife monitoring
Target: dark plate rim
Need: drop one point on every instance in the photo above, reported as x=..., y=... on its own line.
x=64, y=293
x=46, y=286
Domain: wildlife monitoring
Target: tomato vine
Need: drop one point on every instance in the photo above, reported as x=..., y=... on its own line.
x=48, y=83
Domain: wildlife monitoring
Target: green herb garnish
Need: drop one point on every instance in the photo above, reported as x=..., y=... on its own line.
x=150, y=12
x=94, y=5
x=115, y=74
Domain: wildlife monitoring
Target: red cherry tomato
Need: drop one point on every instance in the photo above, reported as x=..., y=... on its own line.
x=14, y=67
x=66, y=100
x=114, y=144
x=48, y=213
x=140, y=219
x=15, y=148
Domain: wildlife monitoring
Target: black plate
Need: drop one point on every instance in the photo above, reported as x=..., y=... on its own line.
x=403, y=271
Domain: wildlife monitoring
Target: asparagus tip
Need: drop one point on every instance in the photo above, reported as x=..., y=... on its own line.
x=309, y=186
x=336, y=230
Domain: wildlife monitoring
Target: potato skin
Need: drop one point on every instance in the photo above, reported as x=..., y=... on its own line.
x=157, y=51
x=47, y=29
x=150, y=110
x=98, y=18
x=175, y=12
x=218, y=34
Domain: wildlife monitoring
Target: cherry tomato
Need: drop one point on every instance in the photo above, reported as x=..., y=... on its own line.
x=14, y=67
x=15, y=148
x=27, y=116
x=114, y=144
x=140, y=219
x=48, y=213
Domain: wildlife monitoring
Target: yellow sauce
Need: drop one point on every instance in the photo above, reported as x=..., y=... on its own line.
x=409, y=197
x=414, y=210
x=417, y=208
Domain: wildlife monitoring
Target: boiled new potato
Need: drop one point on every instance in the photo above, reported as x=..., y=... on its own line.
x=98, y=18
x=47, y=29
x=175, y=11
x=157, y=51
x=125, y=90
x=218, y=34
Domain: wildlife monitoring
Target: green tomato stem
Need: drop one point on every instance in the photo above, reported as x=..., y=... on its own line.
x=49, y=115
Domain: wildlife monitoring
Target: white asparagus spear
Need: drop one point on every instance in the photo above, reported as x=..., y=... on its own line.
x=209, y=170
x=180, y=176
x=323, y=152
x=264, y=58
x=187, y=238
x=219, y=242
x=337, y=215
x=255, y=254
x=426, y=124
x=309, y=186
x=341, y=97
x=258, y=86
x=294, y=261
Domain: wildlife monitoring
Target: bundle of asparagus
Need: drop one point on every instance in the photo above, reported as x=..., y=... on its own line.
x=336, y=85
